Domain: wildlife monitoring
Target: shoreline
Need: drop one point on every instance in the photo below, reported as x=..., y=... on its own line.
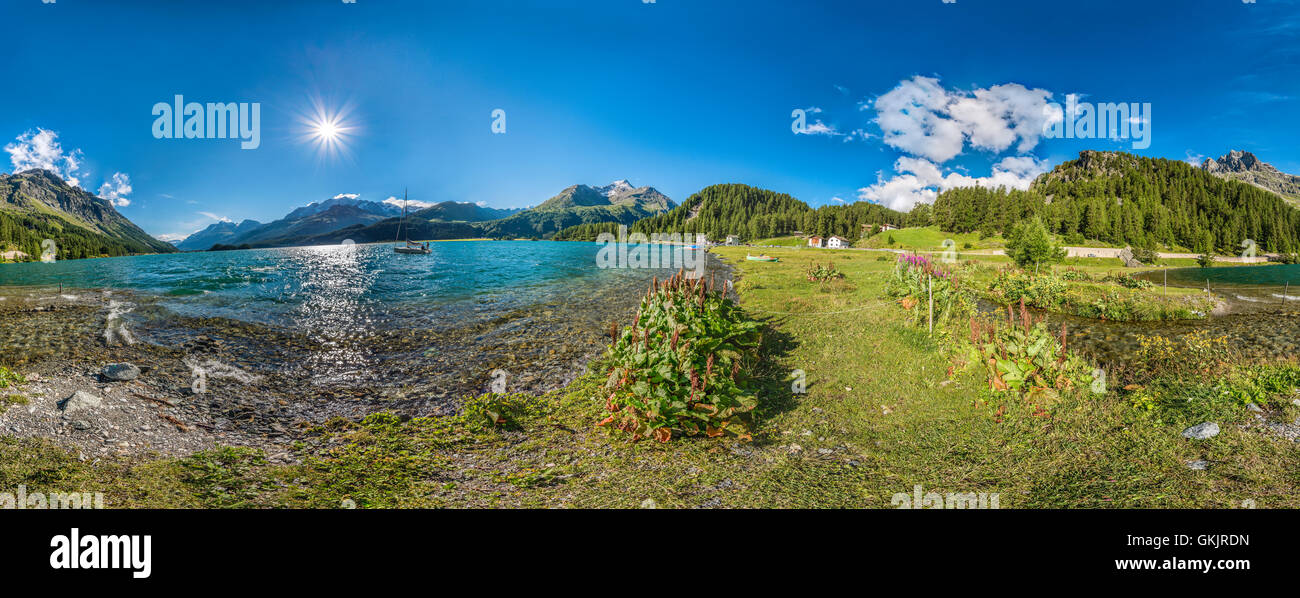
x=283, y=391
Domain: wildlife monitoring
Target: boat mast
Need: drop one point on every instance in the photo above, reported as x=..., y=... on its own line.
x=403, y=222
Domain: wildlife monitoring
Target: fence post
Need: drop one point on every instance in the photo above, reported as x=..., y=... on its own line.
x=929, y=280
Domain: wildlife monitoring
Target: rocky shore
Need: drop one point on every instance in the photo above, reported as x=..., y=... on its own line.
x=116, y=374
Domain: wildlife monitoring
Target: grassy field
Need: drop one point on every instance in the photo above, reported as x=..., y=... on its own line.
x=929, y=238
x=782, y=242
x=884, y=412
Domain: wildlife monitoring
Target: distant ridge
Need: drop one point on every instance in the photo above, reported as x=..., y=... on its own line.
x=1243, y=166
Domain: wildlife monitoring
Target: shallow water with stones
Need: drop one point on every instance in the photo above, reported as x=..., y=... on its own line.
x=358, y=326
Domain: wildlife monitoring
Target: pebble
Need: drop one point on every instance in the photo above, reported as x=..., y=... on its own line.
x=1198, y=465
x=1202, y=431
x=649, y=503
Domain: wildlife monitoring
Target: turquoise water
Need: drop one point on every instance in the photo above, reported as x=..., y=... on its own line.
x=282, y=286
x=1231, y=276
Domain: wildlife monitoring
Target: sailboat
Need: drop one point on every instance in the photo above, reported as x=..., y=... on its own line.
x=409, y=247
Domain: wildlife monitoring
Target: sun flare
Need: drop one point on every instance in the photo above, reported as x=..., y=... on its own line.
x=327, y=130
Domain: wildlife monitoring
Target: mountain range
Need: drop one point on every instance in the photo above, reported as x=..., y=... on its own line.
x=1244, y=166
x=349, y=217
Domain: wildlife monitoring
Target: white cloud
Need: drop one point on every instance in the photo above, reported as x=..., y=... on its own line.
x=820, y=128
x=837, y=199
x=346, y=196
x=116, y=189
x=922, y=118
x=170, y=237
x=933, y=124
x=1194, y=158
x=41, y=149
x=411, y=203
x=922, y=181
x=212, y=216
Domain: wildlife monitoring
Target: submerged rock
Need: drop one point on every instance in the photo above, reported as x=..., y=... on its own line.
x=80, y=401
x=120, y=372
x=1202, y=431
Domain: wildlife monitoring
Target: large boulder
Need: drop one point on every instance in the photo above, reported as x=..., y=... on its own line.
x=1126, y=256
x=80, y=401
x=120, y=372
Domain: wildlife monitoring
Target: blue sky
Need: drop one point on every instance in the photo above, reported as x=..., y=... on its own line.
x=678, y=94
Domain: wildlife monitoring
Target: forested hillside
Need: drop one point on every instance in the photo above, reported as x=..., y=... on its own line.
x=36, y=205
x=1122, y=199
x=751, y=213
x=25, y=232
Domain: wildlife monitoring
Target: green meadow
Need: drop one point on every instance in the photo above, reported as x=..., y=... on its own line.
x=885, y=408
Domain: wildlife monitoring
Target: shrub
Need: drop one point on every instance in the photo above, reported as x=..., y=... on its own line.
x=1128, y=281
x=1195, y=353
x=1042, y=290
x=1030, y=244
x=1146, y=256
x=1074, y=275
x=680, y=366
x=819, y=273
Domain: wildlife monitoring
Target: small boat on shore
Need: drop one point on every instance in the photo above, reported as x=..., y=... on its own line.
x=761, y=258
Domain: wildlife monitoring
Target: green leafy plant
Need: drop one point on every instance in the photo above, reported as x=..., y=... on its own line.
x=1039, y=290
x=915, y=279
x=1022, y=356
x=820, y=273
x=1074, y=275
x=1127, y=281
x=9, y=378
x=680, y=367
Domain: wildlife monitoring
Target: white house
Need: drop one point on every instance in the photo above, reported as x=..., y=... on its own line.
x=885, y=227
x=733, y=240
x=814, y=241
x=837, y=243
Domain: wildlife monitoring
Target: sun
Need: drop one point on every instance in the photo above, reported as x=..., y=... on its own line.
x=327, y=130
